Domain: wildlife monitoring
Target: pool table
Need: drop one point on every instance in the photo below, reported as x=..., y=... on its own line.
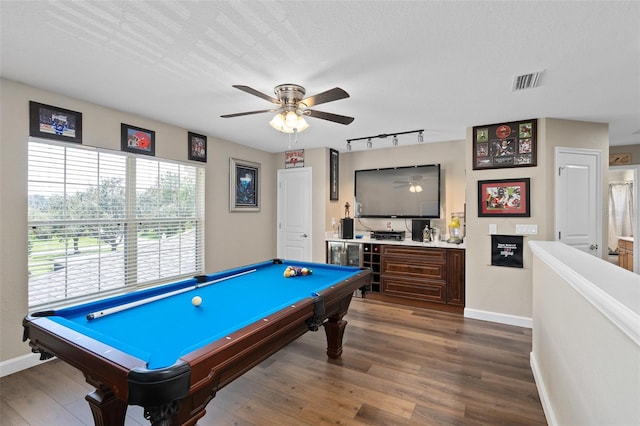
x=157, y=349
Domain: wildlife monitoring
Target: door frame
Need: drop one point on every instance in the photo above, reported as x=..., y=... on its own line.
x=599, y=187
x=635, y=168
x=280, y=240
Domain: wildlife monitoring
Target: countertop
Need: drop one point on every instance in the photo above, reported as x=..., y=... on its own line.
x=406, y=242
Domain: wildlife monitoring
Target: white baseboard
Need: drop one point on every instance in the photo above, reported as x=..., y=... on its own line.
x=499, y=318
x=542, y=391
x=20, y=363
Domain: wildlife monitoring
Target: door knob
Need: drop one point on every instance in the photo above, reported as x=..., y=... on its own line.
x=304, y=235
x=593, y=247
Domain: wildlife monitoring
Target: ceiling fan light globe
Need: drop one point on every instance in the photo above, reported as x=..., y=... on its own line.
x=277, y=121
x=302, y=124
x=291, y=120
x=418, y=188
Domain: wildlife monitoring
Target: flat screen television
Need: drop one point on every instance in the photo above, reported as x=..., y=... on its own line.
x=402, y=192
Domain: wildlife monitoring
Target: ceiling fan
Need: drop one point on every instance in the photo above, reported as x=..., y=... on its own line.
x=292, y=106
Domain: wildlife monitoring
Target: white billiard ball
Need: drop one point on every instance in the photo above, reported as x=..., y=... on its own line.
x=196, y=301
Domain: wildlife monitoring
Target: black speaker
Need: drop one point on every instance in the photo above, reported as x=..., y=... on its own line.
x=417, y=225
x=346, y=228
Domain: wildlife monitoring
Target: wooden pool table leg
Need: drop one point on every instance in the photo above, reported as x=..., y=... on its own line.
x=334, y=329
x=107, y=410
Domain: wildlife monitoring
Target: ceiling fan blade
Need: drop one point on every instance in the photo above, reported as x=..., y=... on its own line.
x=254, y=92
x=328, y=96
x=342, y=119
x=240, y=114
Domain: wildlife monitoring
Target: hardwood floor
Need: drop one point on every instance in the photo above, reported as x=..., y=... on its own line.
x=400, y=366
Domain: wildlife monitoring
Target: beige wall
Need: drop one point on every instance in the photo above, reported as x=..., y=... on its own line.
x=450, y=155
x=227, y=233
x=318, y=161
x=504, y=294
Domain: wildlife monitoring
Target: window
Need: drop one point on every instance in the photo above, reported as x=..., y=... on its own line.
x=102, y=222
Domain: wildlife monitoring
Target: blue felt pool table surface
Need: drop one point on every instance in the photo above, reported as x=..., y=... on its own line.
x=161, y=331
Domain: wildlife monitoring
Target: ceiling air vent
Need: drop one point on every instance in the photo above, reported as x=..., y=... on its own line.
x=526, y=81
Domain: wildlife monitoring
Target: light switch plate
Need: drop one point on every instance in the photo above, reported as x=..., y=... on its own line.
x=493, y=228
x=526, y=229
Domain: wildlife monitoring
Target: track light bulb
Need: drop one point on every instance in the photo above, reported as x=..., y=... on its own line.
x=395, y=140
x=348, y=146
x=420, y=138
x=369, y=144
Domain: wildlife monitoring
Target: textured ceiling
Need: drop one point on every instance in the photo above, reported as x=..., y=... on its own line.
x=441, y=66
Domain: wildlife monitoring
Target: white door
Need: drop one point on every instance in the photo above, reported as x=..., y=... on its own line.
x=294, y=214
x=578, y=199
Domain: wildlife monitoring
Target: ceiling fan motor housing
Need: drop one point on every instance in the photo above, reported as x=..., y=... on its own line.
x=290, y=95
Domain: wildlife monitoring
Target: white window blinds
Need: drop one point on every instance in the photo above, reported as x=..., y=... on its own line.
x=103, y=222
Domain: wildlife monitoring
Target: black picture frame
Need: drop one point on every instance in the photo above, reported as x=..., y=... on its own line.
x=507, y=250
x=504, y=198
x=334, y=174
x=505, y=145
x=51, y=122
x=244, y=186
x=137, y=140
x=197, y=145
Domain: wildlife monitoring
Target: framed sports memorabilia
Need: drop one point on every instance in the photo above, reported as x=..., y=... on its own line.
x=504, y=145
x=51, y=122
x=504, y=198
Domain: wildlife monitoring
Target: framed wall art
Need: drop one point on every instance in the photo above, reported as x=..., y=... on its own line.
x=504, y=145
x=504, y=198
x=294, y=159
x=334, y=168
x=137, y=140
x=197, y=147
x=617, y=159
x=506, y=250
x=244, y=186
x=50, y=122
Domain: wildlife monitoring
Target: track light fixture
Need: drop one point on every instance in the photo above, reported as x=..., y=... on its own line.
x=384, y=136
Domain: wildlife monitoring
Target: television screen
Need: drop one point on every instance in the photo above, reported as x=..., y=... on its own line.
x=409, y=192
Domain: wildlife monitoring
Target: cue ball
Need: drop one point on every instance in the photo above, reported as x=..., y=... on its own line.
x=196, y=301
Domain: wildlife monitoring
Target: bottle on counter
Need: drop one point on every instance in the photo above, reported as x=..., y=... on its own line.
x=426, y=234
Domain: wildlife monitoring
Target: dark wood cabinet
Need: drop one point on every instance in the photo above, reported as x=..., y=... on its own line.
x=455, y=277
x=371, y=260
x=415, y=272
x=432, y=277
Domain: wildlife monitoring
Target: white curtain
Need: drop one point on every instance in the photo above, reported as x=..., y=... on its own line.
x=620, y=213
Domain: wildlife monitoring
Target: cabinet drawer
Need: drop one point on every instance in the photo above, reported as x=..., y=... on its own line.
x=430, y=291
x=416, y=254
x=404, y=267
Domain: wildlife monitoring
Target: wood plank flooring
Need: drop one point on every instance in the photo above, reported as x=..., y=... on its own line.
x=401, y=366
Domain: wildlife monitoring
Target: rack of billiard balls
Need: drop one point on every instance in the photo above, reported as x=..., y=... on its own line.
x=296, y=271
